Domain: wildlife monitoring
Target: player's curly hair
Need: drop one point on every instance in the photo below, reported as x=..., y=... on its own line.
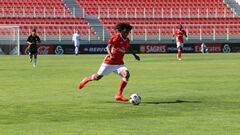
x=121, y=26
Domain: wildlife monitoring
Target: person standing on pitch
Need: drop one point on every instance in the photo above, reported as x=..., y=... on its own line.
x=179, y=33
x=117, y=46
x=204, y=48
x=32, y=42
x=76, y=40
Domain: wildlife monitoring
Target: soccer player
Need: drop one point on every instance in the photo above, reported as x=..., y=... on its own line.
x=32, y=42
x=76, y=40
x=179, y=33
x=113, y=62
x=204, y=48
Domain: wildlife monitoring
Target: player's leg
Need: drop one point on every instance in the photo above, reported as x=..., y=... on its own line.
x=30, y=57
x=35, y=60
x=30, y=54
x=103, y=70
x=76, y=49
x=94, y=77
x=179, y=47
x=124, y=73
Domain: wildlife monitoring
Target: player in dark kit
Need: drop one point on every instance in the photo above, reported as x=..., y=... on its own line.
x=32, y=42
x=113, y=62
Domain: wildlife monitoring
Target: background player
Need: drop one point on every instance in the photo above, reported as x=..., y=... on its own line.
x=204, y=48
x=32, y=42
x=113, y=62
x=76, y=40
x=179, y=33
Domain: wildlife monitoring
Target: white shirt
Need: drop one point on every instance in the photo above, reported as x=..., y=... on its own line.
x=203, y=46
x=76, y=39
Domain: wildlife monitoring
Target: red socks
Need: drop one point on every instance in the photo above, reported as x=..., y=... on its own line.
x=179, y=53
x=123, y=84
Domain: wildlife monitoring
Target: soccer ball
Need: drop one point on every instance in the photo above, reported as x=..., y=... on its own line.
x=135, y=99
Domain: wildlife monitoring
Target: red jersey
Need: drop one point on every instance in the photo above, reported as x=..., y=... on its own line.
x=118, y=49
x=179, y=35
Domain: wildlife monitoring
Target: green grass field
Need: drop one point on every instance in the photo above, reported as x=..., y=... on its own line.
x=197, y=96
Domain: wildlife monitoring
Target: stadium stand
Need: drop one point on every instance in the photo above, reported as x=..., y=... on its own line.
x=149, y=17
x=166, y=25
x=156, y=8
x=34, y=8
x=50, y=17
x=48, y=26
x=160, y=17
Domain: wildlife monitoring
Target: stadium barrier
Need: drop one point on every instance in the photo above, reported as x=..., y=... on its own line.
x=139, y=48
x=147, y=34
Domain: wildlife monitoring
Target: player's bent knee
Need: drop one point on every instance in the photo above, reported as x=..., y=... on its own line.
x=125, y=74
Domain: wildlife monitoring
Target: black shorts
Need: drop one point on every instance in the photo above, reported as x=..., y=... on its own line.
x=32, y=50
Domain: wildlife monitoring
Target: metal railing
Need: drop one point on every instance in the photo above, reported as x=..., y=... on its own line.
x=139, y=33
x=161, y=13
x=118, y=13
x=35, y=12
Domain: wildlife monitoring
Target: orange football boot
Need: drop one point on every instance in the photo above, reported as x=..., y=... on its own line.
x=121, y=98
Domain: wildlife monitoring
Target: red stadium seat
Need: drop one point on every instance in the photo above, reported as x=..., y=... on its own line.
x=38, y=8
x=154, y=24
x=51, y=25
x=143, y=8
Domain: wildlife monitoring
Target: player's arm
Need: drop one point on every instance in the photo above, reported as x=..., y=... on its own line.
x=39, y=40
x=133, y=53
x=185, y=34
x=173, y=36
x=73, y=38
x=29, y=44
x=109, y=51
x=28, y=41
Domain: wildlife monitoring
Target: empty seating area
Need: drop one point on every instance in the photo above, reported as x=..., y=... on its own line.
x=49, y=26
x=165, y=26
x=49, y=17
x=156, y=8
x=34, y=8
x=149, y=17
x=160, y=17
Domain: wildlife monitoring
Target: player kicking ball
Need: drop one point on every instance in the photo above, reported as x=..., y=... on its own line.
x=113, y=62
x=179, y=33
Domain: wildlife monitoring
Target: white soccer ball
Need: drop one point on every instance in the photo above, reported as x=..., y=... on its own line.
x=135, y=99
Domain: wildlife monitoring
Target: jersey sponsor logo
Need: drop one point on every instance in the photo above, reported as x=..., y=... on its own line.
x=121, y=49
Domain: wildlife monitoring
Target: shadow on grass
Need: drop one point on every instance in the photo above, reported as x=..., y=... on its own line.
x=170, y=102
x=159, y=102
